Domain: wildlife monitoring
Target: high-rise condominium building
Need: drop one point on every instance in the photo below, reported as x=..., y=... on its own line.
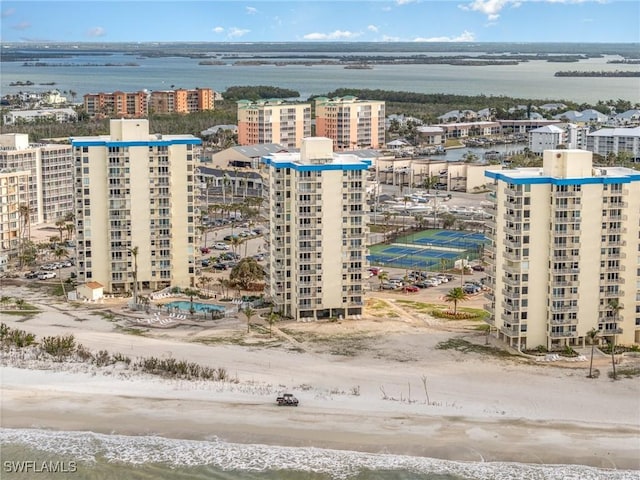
x=14, y=193
x=564, y=254
x=134, y=192
x=273, y=121
x=181, y=101
x=117, y=104
x=351, y=123
x=50, y=168
x=317, y=237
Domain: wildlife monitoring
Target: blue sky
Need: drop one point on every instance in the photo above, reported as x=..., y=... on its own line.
x=321, y=20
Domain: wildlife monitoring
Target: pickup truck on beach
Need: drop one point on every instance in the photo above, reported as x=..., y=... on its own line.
x=287, y=400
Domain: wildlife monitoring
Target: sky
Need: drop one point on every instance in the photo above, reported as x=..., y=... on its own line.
x=581, y=21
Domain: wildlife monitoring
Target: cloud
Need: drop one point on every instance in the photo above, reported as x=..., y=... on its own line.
x=96, y=32
x=336, y=35
x=8, y=12
x=405, y=2
x=251, y=10
x=372, y=28
x=21, y=26
x=465, y=36
x=234, y=32
x=490, y=8
x=218, y=29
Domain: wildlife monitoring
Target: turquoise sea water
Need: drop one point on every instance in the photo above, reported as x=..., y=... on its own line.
x=533, y=79
x=96, y=456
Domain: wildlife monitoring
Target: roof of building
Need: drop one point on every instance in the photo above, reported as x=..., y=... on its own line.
x=588, y=115
x=430, y=129
x=260, y=150
x=629, y=114
x=230, y=172
x=548, y=129
x=616, y=132
x=94, y=285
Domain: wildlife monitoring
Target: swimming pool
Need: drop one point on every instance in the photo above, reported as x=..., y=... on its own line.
x=198, y=307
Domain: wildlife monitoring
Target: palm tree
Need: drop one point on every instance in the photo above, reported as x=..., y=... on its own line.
x=134, y=252
x=249, y=313
x=454, y=296
x=382, y=276
x=272, y=319
x=204, y=282
x=387, y=217
x=24, y=227
x=61, y=252
x=190, y=292
x=592, y=335
x=615, y=306
x=61, y=224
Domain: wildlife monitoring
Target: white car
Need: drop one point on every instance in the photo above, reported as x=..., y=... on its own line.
x=46, y=275
x=221, y=246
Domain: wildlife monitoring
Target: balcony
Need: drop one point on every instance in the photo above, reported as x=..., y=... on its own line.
x=615, y=256
x=565, y=220
x=512, y=281
x=612, y=281
x=566, y=321
x=512, y=268
x=612, y=294
x=513, y=193
x=513, y=331
x=563, y=308
x=611, y=331
x=488, y=307
x=508, y=317
x=565, y=194
x=563, y=334
x=512, y=217
x=614, y=268
x=512, y=256
x=614, y=243
x=489, y=296
x=513, y=243
x=511, y=295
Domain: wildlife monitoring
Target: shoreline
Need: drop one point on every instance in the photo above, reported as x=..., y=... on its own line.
x=360, y=386
x=191, y=410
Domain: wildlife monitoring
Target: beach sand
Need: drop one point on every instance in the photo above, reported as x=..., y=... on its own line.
x=360, y=385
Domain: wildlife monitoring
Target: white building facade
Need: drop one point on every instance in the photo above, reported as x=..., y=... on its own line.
x=318, y=231
x=615, y=140
x=135, y=190
x=564, y=251
x=50, y=179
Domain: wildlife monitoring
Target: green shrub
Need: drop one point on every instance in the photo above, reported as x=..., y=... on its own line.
x=59, y=347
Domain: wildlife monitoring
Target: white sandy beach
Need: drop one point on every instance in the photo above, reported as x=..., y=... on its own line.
x=482, y=408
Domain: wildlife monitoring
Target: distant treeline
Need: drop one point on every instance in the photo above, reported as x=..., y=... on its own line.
x=617, y=73
x=258, y=92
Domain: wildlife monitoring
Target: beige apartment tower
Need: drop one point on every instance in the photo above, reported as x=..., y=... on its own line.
x=273, y=121
x=351, y=123
x=565, y=252
x=317, y=236
x=134, y=191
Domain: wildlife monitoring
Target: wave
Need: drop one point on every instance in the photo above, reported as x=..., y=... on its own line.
x=338, y=464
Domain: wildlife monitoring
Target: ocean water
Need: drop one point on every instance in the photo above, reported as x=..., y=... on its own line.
x=94, y=456
x=533, y=79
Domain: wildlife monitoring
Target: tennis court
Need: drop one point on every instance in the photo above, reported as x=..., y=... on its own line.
x=428, y=249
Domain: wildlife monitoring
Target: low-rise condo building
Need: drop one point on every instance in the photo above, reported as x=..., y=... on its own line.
x=564, y=244
x=181, y=101
x=318, y=231
x=117, y=104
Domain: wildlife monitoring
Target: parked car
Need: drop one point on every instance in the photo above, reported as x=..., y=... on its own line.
x=388, y=286
x=411, y=289
x=287, y=400
x=219, y=266
x=478, y=268
x=424, y=284
x=221, y=246
x=206, y=262
x=470, y=288
x=31, y=275
x=46, y=275
x=205, y=250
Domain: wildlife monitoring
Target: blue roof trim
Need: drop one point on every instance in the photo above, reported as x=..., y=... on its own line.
x=150, y=143
x=299, y=167
x=561, y=181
